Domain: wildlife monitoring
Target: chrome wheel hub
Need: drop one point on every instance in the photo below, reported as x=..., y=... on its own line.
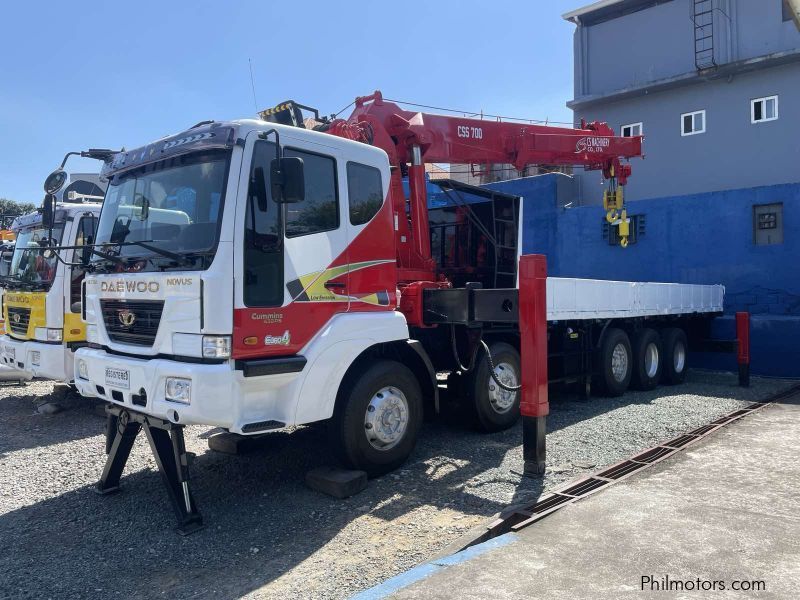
x=386, y=419
x=619, y=362
x=651, y=360
x=502, y=400
x=679, y=357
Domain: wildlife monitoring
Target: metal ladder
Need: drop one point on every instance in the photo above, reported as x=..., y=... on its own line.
x=703, y=19
x=505, y=227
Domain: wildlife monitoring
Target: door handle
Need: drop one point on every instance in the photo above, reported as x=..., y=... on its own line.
x=335, y=284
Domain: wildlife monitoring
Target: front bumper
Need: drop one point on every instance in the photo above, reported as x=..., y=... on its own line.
x=220, y=395
x=55, y=361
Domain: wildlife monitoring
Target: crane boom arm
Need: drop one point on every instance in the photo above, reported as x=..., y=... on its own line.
x=462, y=140
x=412, y=139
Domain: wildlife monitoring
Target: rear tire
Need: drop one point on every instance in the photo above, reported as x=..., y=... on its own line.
x=377, y=420
x=676, y=351
x=493, y=408
x=647, y=360
x=616, y=363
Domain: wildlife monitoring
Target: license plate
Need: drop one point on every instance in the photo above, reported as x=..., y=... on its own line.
x=120, y=378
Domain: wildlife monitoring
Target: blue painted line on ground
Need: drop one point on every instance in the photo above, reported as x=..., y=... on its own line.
x=426, y=569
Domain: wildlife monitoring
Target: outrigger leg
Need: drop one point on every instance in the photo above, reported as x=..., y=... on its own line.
x=169, y=450
x=534, y=405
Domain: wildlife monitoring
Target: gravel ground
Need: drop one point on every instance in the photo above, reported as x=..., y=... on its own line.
x=267, y=535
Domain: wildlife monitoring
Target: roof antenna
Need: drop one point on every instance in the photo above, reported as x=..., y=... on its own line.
x=253, y=85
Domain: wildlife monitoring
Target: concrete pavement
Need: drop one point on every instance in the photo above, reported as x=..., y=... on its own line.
x=722, y=514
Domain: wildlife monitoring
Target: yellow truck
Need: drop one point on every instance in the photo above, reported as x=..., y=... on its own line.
x=41, y=301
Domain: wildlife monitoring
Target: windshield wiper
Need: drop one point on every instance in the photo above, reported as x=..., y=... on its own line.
x=15, y=282
x=178, y=258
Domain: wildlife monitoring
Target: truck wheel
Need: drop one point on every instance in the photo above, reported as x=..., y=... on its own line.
x=492, y=407
x=377, y=420
x=647, y=359
x=676, y=350
x=615, y=363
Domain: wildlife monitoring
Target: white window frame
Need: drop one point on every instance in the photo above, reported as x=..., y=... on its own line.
x=631, y=126
x=764, y=100
x=692, y=114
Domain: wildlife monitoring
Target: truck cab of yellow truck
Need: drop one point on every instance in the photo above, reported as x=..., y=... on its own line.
x=42, y=291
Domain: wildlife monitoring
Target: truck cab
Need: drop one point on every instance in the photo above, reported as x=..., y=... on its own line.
x=42, y=291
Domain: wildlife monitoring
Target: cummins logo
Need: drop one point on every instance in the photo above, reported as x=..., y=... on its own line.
x=592, y=144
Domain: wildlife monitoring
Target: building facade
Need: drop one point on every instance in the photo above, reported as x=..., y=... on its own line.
x=713, y=85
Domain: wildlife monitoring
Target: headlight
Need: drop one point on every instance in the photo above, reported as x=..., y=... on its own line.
x=11, y=352
x=91, y=334
x=36, y=358
x=48, y=334
x=178, y=389
x=83, y=369
x=216, y=346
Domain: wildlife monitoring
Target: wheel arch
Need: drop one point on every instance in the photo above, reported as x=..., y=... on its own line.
x=411, y=353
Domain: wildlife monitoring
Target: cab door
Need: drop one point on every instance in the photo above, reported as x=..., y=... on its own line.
x=294, y=274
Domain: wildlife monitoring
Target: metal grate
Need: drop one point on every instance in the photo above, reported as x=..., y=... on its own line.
x=584, y=487
x=624, y=468
x=132, y=322
x=681, y=441
x=653, y=455
x=18, y=319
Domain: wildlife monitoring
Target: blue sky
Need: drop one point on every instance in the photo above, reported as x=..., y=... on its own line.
x=85, y=74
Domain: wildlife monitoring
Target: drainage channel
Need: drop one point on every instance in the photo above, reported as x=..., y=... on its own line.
x=521, y=516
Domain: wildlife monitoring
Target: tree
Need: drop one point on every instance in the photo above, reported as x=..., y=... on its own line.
x=13, y=208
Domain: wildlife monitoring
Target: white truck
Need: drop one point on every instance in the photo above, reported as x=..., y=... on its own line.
x=256, y=274
x=42, y=294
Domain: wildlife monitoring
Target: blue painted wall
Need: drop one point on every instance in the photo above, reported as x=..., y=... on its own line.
x=700, y=238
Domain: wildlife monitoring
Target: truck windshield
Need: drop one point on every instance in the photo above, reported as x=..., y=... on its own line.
x=32, y=265
x=166, y=209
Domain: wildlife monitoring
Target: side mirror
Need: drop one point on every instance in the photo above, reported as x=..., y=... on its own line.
x=55, y=181
x=48, y=211
x=288, y=180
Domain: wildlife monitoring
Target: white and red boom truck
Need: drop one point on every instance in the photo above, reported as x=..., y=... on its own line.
x=258, y=274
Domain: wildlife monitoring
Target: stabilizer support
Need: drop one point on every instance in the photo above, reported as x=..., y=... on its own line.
x=168, y=447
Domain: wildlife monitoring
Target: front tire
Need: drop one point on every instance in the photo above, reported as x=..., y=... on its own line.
x=493, y=408
x=377, y=420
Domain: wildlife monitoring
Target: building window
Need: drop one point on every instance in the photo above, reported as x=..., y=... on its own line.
x=764, y=109
x=768, y=224
x=693, y=123
x=632, y=130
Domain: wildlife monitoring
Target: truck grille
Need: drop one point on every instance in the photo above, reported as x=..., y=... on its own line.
x=18, y=319
x=132, y=322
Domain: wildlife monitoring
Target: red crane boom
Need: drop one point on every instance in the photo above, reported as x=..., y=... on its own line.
x=412, y=139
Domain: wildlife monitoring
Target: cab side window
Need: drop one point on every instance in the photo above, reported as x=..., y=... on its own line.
x=263, y=241
x=87, y=231
x=364, y=191
x=320, y=209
